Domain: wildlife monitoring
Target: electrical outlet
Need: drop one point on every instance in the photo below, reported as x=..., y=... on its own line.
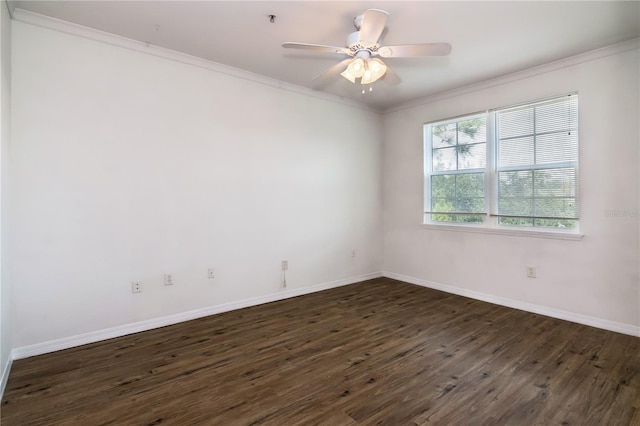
x=211, y=273
x=531, y=271
x=168, y=279
x=136, y=287
x=285, y=265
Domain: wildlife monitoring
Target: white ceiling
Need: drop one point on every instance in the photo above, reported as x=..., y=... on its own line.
x=489, y=38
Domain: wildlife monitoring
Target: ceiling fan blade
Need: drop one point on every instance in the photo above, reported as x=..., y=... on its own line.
x=415, y=50
x=332, y=71
x=390, y=77
x=317, y=47
x=373, y=22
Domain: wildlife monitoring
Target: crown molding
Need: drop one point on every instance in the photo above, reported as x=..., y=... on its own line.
x=47, y=22
x=59, y=25
x=569, y=61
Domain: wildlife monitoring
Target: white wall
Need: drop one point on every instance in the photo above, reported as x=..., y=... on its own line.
x=126, y=166
x=597, y=277
x=5, y=135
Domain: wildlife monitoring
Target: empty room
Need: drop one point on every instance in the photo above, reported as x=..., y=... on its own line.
x=319, y=212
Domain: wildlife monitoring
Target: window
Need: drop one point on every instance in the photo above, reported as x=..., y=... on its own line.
x=511, y=167
x=458, y=162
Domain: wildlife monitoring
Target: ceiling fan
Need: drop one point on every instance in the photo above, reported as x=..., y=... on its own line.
x=364, y=45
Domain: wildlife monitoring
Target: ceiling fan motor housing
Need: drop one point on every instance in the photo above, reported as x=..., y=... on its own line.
x=357, y=21
x=356, y=45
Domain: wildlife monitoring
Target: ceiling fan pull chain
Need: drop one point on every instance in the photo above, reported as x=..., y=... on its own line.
x=364, y=89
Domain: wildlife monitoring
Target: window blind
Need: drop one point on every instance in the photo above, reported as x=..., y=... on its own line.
x=537, y=164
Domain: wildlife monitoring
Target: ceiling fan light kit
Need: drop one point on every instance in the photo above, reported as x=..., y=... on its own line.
x=363, y=45
x=367, y=70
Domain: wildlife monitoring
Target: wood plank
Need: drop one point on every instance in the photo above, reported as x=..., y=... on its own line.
x=377, y=352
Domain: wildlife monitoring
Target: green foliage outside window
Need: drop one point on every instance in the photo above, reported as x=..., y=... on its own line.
x=554, y=197
x=458, y=146
x=535, y=169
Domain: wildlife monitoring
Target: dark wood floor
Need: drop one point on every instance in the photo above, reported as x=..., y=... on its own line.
x=377, y=352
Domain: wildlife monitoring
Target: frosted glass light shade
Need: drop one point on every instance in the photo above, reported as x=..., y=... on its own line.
x=356, y=68
x=377, y=69
x=346, y=74
x=367, y=70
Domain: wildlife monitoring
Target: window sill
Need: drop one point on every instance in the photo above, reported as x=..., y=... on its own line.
x=572, y=236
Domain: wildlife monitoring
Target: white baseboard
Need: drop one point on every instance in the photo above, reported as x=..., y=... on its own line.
x=5, y=375
x=123, y=330
x=523, y=306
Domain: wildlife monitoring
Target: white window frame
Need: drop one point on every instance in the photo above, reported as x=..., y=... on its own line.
x=490, y=224
x=428, y=165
